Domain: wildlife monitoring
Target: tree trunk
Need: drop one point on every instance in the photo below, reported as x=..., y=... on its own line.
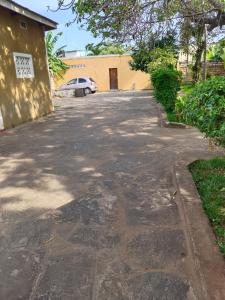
x=204, y=75
x=198, y=61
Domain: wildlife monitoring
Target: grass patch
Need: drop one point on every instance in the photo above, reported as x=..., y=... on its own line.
x=187, y=87
x=209, y=177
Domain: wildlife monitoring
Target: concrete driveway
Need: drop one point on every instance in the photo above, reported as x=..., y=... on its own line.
x=89, y=208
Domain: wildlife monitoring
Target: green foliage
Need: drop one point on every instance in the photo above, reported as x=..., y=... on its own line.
x=223, y=56
x=93, y=49
x=204, y=108
x=134, y=21
x=166, y=83
x=105, y=48
x=142, y=54
x=162, y=58
x=56, y=65
x=209, y=177
x=141, y=57
x=214, y=53
x=179, y=105
x=172, y=117
x=187, y=87
x=217, y=52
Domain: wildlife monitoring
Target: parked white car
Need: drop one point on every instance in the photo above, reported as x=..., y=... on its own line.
x=87, y=83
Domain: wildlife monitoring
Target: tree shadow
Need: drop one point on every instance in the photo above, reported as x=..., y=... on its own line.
x=84, y=173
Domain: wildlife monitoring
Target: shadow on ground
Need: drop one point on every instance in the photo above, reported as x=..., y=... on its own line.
x=87, y=206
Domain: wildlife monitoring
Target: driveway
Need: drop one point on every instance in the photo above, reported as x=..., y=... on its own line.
x=89, y=207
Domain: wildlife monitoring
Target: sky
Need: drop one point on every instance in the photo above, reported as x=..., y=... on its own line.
x=73, y=37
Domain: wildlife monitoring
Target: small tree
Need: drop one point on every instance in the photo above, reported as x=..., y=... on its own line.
x=56, y=66
x=162, y=58
x=142, y=54
x=166, y=83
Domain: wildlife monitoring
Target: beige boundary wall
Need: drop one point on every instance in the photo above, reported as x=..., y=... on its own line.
x=22, y=99
x=213, y=69
x=98, y=67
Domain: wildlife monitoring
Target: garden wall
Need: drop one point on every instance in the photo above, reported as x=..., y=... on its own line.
x=213, y=69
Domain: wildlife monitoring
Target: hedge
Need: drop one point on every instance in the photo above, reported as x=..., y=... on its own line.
x=166, y=83
x=204, y=108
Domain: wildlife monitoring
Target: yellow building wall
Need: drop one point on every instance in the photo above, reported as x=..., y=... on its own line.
x=23, y=99
x=98, y=67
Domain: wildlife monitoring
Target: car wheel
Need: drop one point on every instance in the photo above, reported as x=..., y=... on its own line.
x=87, y=91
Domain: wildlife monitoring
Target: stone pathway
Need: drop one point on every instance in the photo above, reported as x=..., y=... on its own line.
x=89, y=207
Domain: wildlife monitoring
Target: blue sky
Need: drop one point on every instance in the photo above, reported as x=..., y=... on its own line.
x=73, y=37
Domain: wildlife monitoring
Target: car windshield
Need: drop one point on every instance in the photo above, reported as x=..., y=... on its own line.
x=91, y=79
x=73, y=81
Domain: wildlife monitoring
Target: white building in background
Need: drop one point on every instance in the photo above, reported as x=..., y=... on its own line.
x=74, y=53
x=185, y=58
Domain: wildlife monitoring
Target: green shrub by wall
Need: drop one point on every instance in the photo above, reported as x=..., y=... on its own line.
x=204, y=108
x=162, y=58
x=166, y=83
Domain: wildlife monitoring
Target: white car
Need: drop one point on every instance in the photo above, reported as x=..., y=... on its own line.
x=87, y=83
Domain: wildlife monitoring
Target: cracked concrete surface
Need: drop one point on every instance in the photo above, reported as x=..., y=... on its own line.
x=88, y=208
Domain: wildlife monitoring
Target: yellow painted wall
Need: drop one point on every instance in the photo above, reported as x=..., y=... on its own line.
x=97, y=67
x=22, y=100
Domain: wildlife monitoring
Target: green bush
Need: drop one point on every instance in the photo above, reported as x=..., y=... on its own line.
x=204, y=108
x=166, y=83
x=179, y=107
x=162, y=58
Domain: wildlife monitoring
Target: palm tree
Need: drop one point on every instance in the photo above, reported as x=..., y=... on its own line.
x=56, y=66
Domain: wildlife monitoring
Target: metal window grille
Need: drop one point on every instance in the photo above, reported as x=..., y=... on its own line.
x=24, y=65
x=79, y=66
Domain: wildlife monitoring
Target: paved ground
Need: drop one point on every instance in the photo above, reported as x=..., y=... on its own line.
x=88, y=208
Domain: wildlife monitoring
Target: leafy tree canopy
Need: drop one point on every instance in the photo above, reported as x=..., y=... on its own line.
x=162, y=58
x=216, y=51
x=142, y=52
x=131, y=21
x=105, y=48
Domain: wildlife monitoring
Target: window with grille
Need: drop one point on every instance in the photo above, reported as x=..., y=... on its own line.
x=24, y=65
x=79, y=66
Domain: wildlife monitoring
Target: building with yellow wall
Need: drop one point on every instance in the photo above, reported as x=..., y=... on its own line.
x=25, y=92
x=109, y=72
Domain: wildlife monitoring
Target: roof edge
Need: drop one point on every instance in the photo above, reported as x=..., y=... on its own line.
x=24, y=11
x=96, y=56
